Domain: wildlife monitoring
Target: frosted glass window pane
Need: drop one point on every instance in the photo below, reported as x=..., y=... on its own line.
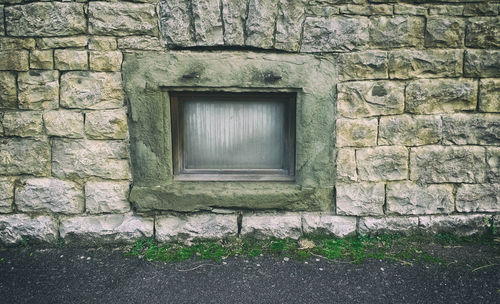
x=234, y=135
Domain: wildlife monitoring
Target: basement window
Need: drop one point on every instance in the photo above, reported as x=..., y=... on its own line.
x=223, y=136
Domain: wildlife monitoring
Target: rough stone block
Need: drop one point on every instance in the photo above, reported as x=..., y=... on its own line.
x=406, y=130
x=140, y=43
x=102, y=43
x=484, y=8
x=289, y=22
x=482, y=63
x=456, y=224
x=260, y=23
x=107, y=197
x=357, y=132
x=24, y=156
x=8, y=90
x=448, y=164
x=367, y=10
x=67, y=59
x=408, y=9
x=324, y=223
x=62, y=42
x=373, y=225
x=426, y=96
x=200, y=226
x=2, y=23
x=91, y=90
x=38, y=90
x=110, y=228
x=122, y=19
x=471, y=129
x=493, y=162
x=489, y=95
x=64, y=123
x=446, y=9
x=382, y=163
x=478, y=198
x=22, y=124
x=6, y=194
x=444, y=32
x=42, y=60
x=46, y=19
x=335, y=33
x=363, y=65
x=397, y=31
x=360, y=199
x=279, y=225
x=409, y=198
x=483, y=32
x=175, y=22
x=13, y=43
x=107, y=61
x=370, y=98
x=87, y=158
x=233, y=16
x=346, y=165
x=207, y=21
x=15, y=228
x=405, y=64
x=110, y=124
x=15, y=60
x=49, y=195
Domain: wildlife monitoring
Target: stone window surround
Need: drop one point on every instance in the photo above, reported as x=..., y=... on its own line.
x=149, y=76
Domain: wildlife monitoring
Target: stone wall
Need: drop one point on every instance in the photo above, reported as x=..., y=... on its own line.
x=417, y=113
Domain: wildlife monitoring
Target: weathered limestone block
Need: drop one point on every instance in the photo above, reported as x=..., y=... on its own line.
x=482, y=63
x=484, y=8
x=483, y=32
x=15, y=228
x=102, y=43
x=456, y=224
x=38, y=90
x=199, y=226
x=321, y=9
x=233, y=16
x=122, y=19
x=426, y=96
x=410, y=198
x=360, y=198
x=324, y=223
x=110, y=124
x=382, y=163
x=367, y=10
x=370, y=98
x=410, y=130
x=471, y=129
x=335, y=33
x=12, y=43
x=444, y=32
x=489, y=95
x=46, y=19
x=448, y=10
x=363, y=65
x=373, y=225
x=493, y=162
x=63, y=123
x=109, y=228
x=22, y=124
x=478, y=198
x=405, y=64
x=6, y=194
x=62, y=42
x=42, y=60
x=408, y=9
x=24, y=156
x=260, y=23
x=207, y=21
x=397, y=31
x=346, y=165
x=175, y=22
x=8, y=90
x=140, y=43
x=106, y=61
x=67, y=59
x=16, y=60
x=2, y=23
x=448, y=164
x=289, y=25
x=107, y=197
x=357, y=132
x=86, y=158
x=266, y=225
x=49, y=195
x=91, y=90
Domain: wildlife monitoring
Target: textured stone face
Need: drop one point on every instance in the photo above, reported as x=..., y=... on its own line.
x=409, y=198
x=363, y=65
x=207, y=22
x=444, y=32
x=38, y=90
x=360, y=198
x=410, y=130
x=8, y=90
x=140, y=43
x=356, y=133
x=483, y=32
x=6, y=194
x=102, y=43
x=482, y=63
x=478, y=198
x=471, y=129
x=233, y=16
x=41, y=60
x=279, y=225
x=456, y=224
x=324, y=223
x=46, y=19
x=211, y=226
x=109, y=124
x=12, y=43
x=489, y=95
x=371, y=225
x=24, y=156
x=14, y=60
x=175, y=22
x=106, y=197
x=109, y=61
x=62, y=42
x=382, y=163
x=63, y=123
x=260, y=23
x=398, y=31
x=22, y=124
x=493, y=162
x=65, y=60
x=406, y=64
x=346, y=165
x=289, y=25
x=18, y=227
x=49, y=194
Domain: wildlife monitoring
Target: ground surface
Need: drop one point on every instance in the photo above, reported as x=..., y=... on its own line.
x=71, y=275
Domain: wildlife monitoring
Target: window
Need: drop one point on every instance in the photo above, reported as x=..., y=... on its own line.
x=233, y=136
